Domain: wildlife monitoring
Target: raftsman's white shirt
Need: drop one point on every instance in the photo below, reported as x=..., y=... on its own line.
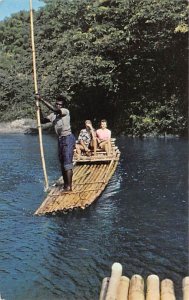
x=61, y=123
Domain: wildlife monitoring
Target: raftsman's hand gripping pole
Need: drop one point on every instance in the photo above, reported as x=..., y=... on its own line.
x=37, y=101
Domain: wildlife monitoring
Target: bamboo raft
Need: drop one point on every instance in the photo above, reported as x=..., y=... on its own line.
x=91, y=175
x=118, y=287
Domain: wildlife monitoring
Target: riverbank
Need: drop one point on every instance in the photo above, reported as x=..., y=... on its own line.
x=21, y=126
x=29, y=126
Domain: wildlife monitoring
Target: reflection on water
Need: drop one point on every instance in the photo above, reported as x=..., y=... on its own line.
x=140, y=221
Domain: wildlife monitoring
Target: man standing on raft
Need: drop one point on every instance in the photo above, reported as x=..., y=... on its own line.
x=60, y=118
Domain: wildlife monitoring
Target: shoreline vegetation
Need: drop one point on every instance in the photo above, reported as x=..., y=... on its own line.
x=29, y=126
x=125, y=61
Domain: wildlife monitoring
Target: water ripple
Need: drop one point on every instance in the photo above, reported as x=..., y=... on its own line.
x=140, y=220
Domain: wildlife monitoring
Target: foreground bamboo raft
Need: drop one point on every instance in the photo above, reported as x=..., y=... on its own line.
x=91, y=175
x=118, y=287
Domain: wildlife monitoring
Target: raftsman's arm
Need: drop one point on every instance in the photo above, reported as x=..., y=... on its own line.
x=47, y=104
x=43, y=119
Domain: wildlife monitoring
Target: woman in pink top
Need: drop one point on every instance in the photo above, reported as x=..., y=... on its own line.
x=104, y=137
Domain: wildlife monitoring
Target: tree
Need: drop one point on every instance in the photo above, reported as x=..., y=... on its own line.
x=125, y=60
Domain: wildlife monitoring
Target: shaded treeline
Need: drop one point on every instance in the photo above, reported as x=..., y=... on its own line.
x=124, y=60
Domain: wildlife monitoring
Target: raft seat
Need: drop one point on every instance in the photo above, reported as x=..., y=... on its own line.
x=101, y=155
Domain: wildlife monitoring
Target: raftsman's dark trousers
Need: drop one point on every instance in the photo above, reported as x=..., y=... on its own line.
x=66, y=146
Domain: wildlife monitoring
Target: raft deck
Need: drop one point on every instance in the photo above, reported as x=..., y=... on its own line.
x=122, y=287
x=91, y=175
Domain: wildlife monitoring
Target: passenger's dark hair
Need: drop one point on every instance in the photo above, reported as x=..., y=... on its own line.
x=88, y=121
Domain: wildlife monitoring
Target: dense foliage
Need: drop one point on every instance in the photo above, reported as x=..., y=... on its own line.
x=124, y=60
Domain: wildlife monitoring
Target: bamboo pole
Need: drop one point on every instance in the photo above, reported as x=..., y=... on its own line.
x=185, y=288
x=37, y=101
x=114, y=281
x=104, y=288
x=136, y=289
x=123, y=288
x=153, y=288
x=167, y=290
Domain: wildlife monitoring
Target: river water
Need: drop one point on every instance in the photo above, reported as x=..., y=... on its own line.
x=140, y=220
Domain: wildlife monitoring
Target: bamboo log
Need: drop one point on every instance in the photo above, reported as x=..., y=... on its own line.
x=37, y=102
x=96, y=177
x=185, y=288
x=167, y=290
x=136, y=290
x=108, y=170
x=153, y=288
x=123, y=288
x=104, y=288
x=114, y=281
x=87, y=186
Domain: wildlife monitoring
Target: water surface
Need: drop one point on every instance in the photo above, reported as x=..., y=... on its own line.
x=140, y=221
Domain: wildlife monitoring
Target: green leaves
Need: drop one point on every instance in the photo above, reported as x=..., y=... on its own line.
x=125, y=60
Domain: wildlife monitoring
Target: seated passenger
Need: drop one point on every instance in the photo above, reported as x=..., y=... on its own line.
x=104, y=137
x=86, y=140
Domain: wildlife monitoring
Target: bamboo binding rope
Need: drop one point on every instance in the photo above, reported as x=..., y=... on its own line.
x=37, y=102
x=185, y=288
